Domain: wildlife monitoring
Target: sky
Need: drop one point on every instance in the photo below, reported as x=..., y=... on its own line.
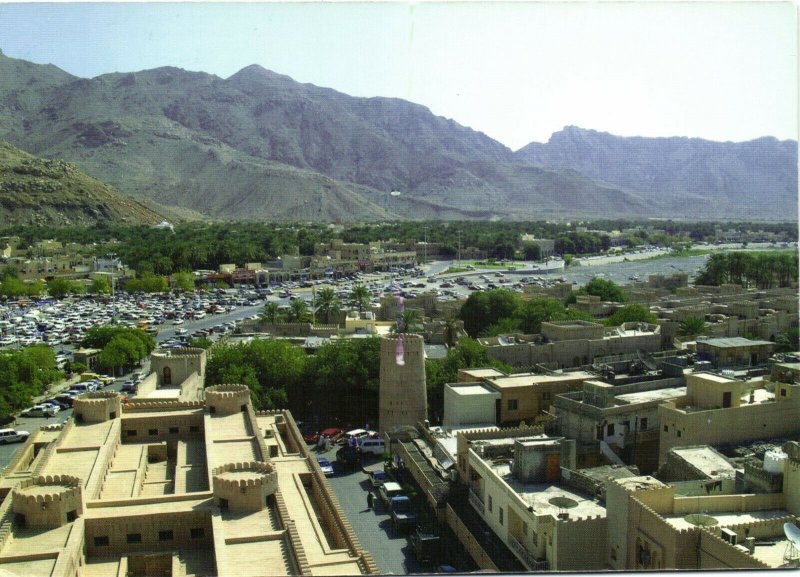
x=516, y=71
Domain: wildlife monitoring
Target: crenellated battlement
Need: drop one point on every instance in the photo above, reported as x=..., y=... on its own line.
x=48, y=501
x=98, y=406
x=227, y=399
x=244, y=486
x=183, y=352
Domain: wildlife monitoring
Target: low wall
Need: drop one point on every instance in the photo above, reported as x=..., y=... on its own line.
x=468, y=540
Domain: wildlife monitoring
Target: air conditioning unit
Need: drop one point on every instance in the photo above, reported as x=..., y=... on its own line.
x=728, y=536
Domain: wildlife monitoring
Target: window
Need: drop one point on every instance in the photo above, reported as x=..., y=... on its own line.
x=546, y=396
x=194, y=429
x=130, y=433
x=500, y=513
x=666, y=429
x=610, y=430
x=513, y=404
x=643, y=424
x=134, y=538
x=101, y=541
x=197, y=533
x=783, y=392
x=165, y=535
x=173, y=430
x=152, y=432
x=490, y=503
x=678, y=433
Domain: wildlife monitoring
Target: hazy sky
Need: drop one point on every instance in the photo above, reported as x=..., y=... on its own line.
x=516, y=71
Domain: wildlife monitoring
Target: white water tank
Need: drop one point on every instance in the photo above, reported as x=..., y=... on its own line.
x=773, y=461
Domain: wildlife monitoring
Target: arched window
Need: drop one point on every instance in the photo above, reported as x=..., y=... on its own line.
x=166, y=378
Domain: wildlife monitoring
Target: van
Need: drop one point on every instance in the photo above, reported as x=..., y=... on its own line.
x=374, y=445
x=352, y=437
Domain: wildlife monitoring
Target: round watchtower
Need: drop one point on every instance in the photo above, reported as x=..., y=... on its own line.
x=174, y=366
x=48, y=502
x=244, y=487
x=403, y=396
x=97, y=406
x=227, y=399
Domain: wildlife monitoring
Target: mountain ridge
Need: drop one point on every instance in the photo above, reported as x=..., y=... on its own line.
x=260, y=145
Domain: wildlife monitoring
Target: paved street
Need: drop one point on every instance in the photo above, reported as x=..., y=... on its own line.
x=391, y=550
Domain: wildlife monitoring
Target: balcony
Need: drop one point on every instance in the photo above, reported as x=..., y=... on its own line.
x=531, y=562
x=476, y=501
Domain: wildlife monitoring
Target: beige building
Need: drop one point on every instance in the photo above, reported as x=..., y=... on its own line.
x=165, y=487
x=734, y=351
x=652, y=527
x=719, y=409
x=565, y=344
x=515, y=485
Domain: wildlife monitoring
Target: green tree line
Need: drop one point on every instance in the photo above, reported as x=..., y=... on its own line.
x=23, y=375
x=764, y=270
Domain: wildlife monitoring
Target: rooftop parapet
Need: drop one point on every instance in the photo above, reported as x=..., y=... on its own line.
x=49, y=501
x=241, y=487
x=227, y=399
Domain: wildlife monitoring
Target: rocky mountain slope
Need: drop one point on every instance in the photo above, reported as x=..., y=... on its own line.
x=259, y=145
x=55, y=193
x=691, y=174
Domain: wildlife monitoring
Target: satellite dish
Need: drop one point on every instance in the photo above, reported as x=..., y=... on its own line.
x=792, y=533
x=647, y=359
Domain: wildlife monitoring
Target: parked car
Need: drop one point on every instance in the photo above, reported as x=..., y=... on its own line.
x=378, y=478
x=40, y=411
x=129, y=386
x=373, y=444
x=348, y=457
x=326, y=466
x=352, y=437
x=13, y=436
x=388, y=490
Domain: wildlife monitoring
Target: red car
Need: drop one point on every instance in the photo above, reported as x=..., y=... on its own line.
x=332, y=433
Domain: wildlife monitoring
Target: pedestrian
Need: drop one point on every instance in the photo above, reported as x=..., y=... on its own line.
x=369, y=500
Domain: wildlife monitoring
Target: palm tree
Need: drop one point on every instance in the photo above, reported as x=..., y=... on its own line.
x=360, y=296
x=298, y=311
x=451, y=330
x=408, y=323
x=692, y=327
x=327, y=305
x=269, y=313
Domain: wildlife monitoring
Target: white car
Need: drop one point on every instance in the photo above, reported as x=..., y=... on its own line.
x=40, y=411
x=12, y=436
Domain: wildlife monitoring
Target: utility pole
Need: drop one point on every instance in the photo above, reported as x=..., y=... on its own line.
x=425, y=257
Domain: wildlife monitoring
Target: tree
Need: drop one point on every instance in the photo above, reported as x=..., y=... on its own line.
x=408, y=322
x=631, y=314
x=485, y=308
x=298, y=312
x=692, y=327
x=788, y=341
x=269, y=312
x=100, y=285
x=328, y=305
x=531, y=251
x=183, y=281
x=60, y=287
x=361, y=296
x=607, y=290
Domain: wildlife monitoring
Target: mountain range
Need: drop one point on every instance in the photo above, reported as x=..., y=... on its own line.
x=259, y=145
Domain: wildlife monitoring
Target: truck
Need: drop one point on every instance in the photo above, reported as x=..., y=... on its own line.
x=425, y=545
x=403, y=516
x=388, y=490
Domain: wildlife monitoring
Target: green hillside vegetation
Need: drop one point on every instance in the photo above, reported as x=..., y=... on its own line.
x=35, y=191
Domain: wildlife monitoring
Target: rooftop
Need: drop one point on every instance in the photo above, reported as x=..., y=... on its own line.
x=472, y=389
x=706, y=459
x=732, y=342
x=530, y=380
x=650, y=396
